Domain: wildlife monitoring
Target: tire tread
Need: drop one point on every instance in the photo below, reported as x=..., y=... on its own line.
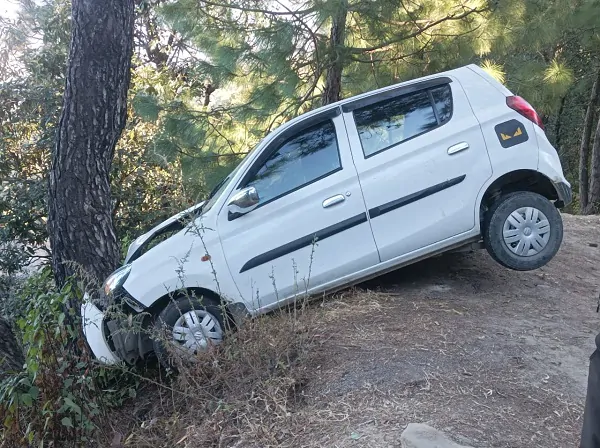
x=494, y=222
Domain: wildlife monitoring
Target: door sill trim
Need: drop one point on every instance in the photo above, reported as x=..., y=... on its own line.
x=454, y=242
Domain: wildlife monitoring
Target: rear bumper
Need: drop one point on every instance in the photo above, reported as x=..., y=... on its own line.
x=94, y=330
x=565, y=194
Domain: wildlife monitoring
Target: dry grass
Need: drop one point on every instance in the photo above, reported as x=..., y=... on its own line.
x=352, y=371
x=244, y=392
x=492, y=357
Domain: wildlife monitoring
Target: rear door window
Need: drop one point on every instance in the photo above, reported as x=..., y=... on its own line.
x=387, y=123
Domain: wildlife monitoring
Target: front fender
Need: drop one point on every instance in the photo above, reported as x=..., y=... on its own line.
x=180, y=262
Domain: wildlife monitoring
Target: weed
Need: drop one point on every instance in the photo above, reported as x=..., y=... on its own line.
x=62, y=394
x=245, y=388
x=242, y=389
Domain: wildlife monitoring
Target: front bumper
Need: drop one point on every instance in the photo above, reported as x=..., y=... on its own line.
x=94, y=330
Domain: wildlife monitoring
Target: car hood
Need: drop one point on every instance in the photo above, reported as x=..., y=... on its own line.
x=141, y=240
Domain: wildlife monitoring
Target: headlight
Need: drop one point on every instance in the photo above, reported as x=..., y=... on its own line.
x=116, y=279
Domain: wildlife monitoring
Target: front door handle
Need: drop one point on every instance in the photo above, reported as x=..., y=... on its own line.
x=333, y=200
x=458, y=148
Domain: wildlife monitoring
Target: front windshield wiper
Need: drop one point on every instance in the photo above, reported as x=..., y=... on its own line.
x=216, y=188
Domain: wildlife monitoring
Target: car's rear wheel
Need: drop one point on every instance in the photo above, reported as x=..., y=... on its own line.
x=186, y=326
x=523, y=231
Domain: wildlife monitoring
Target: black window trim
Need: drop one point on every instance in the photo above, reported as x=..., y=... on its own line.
x=437, y=113
x=395, y=92
x=439, y=124
x=278, y=142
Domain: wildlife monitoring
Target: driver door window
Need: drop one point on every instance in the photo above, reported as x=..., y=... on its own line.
x=290, y=242
x=304, y=158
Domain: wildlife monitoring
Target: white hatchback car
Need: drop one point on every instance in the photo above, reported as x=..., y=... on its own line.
x=339, y=195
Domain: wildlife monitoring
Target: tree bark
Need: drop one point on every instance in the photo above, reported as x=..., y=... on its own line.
x=584, y=150
x=594, y=192
x=94, y=112
x=208, y=91
x=337, y=36
x=11, y=355
x=558, y=126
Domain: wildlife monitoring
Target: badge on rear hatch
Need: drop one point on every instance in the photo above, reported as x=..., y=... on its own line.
x=511, y=133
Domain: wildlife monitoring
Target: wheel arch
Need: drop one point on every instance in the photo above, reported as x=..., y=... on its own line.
x=518, y=180
x=236, y=311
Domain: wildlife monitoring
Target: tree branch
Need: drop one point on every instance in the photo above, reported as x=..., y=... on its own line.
x=421, y=30
x=258, y=10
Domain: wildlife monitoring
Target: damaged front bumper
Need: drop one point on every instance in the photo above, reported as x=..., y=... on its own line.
x=114, y=337
x=94, y=331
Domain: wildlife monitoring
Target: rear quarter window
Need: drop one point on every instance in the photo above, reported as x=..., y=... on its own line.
x=442, y=98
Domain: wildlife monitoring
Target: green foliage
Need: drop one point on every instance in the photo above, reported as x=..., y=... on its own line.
x=30, y=99
x=146, y=106
x=558, y=76
x=496, y=71
x=62, y=394
x=209, y=81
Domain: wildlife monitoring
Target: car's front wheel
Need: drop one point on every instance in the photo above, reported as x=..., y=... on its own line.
x=523, y=231
x=186, y=326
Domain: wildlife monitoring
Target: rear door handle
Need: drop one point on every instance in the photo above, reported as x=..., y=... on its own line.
x=333, y=200
x=458, y=148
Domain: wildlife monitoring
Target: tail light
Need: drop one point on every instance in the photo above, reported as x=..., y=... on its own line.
x=521, y=106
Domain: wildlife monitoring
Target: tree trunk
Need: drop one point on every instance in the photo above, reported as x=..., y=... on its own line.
x=584, y=150
x=94, y=111
x=333, y=80
x=558, y=126
x=208, y=91
x=11, y=355
x=594, y=192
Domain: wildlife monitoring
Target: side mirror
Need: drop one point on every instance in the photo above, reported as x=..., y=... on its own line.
x=243, y=201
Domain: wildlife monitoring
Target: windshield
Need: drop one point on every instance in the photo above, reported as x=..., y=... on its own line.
x=214, y=195
x=221, y=186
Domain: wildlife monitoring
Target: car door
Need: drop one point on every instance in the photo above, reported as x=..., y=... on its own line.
x=310, y=226
x=421, y=160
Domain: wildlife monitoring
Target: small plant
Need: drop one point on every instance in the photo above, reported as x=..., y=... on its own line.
x=244, y=389
x=62, y=393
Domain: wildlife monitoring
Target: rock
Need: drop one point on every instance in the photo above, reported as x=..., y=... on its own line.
x=419, y=435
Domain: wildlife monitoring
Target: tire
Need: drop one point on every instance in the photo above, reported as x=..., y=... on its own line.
x=529, y=245
x=180, y=313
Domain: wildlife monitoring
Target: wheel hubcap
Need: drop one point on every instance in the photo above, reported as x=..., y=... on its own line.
x=196, y=330
x=526, y=231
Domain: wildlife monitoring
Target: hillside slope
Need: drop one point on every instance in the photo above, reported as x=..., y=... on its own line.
x=497, y=356
x=493, y=357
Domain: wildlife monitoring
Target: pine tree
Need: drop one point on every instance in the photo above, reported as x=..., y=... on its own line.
x=266, y=62
x=80, y=222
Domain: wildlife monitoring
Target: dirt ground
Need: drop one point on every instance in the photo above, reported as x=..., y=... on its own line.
x=495, y=358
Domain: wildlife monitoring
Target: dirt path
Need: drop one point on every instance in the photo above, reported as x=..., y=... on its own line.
x=494, y=357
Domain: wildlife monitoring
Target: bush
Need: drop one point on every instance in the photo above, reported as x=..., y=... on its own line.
x=62, y=394
x=244, y=390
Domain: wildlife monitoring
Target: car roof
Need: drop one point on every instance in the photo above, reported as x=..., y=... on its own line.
x=360, y=96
